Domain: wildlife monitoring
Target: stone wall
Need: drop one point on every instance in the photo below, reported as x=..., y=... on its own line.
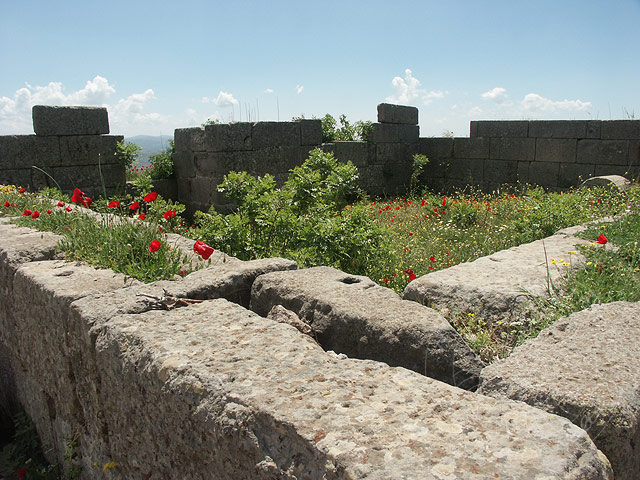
x=69, y=144
x=213, y=390
x=554, y=154
x=205, y=154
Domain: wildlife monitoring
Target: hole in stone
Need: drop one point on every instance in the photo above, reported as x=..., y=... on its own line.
x=350, y=280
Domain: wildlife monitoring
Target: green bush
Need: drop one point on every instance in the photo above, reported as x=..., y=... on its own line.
x=305, y=219
x=347, y=131
x=162, y=163
x=127, y=153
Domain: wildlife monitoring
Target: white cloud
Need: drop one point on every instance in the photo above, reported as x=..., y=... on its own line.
x=408, y=90
x=497, y=94
x=299, y=89
x=535, y=102
x=224, y=99
x=268, y=90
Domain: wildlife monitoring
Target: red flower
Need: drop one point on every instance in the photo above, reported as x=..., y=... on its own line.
x=60, y=203
x=68, y=209
x=202, y=249
x=423, y=202
x=150, y=197
x=135, y=205
x=113, y=204
x=432, y=258
x=169, y=214
x=602, y=239
x=142, y=216
x=385, y=280
x=77, y=196
x=412, y=276
x=444, y=201
x=48, y=212
x=87, y=202
x=22, y=190
x=35, y=214
x=7, y=204
x=154, y=246
x=26, y=212
x=22, y=472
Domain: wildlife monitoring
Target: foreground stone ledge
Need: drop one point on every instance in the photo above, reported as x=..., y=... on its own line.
x=585, y=368
x=352, y=315
x=500, y=286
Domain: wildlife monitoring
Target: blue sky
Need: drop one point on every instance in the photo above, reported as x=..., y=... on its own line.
x=158, y=66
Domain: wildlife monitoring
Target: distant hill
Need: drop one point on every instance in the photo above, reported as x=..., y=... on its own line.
x=151, y=145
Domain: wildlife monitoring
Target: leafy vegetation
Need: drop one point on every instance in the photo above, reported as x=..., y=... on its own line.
x=346, y=131
x=127, y=153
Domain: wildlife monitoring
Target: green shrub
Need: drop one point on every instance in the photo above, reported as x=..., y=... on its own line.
x=305, y=219
x=127, y=153
x=361, y=130
x=162, y=163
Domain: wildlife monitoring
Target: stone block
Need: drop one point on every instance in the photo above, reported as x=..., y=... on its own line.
x=502, y=128
x=167, y=188
x=389, y=113
x=189, y=139
x=620, y=130
x=470, y=170
x=202, y=189
x=275, y=134
x=18, y=177
x=499, y=172
x=183, y=164
x=310, y=132
x=86, y=178
x=634, y=152
x=435, y=148
x=355, y=152
x=522, y=172
x=390, y=152
x=408, y=133
x=521, y=149
x=584, y=368
x=606, y=152
x=24, y=151
x=556, y=150
x=471, y=147
x=572, y=174
x=558, y=128
x=625, y=171
x=544, y=173
x=48, y=120
x=614, y=183
x=83, y=150
x=230, y=137
x=352, y=315
x=385, y=133
x=493, y=287
x=594, y=128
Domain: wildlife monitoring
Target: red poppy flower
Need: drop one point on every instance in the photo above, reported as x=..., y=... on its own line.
x=602, y=239
x=87, y=202
x=35, y=214
x=68, y=209
x=169, y=214
x=385, y=280
x=77, y=196
x=150, y=197
x=26, y=212
x=202, y=249
x=432, y=258
x=135, y=205
x=48, y=212
x=423, y=202
x=412, y=276
x=444, y=202
x=7, y=204
x=22, y=190
x=60, y=203
x=22, y=472
x=113, y=204
x=154, y=246
x=142, y=216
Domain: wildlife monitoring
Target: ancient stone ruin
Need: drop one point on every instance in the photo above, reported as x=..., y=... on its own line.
x=356, y=382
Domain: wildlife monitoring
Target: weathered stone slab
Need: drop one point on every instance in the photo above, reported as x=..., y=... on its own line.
x=355, y=152
x=502, y=128
x=435, y=148
x=500, y=286
x=585, y=368
x=189, y=139
x=613, y=182
x=389, y=113
x=310, y=132
x=24, y=151
x=620, y=129
x=603, y=152
x=275, y=134
x=558, y=128
x=385, y=133
x=470, y=170
x=48, y=120
x=513, y=149
x=544, y=173
x=352, y=315
x=556, y=150
x=499, y=172
x=471, y=147
x=183, y=164
x=228, y=137
x=572, y=174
